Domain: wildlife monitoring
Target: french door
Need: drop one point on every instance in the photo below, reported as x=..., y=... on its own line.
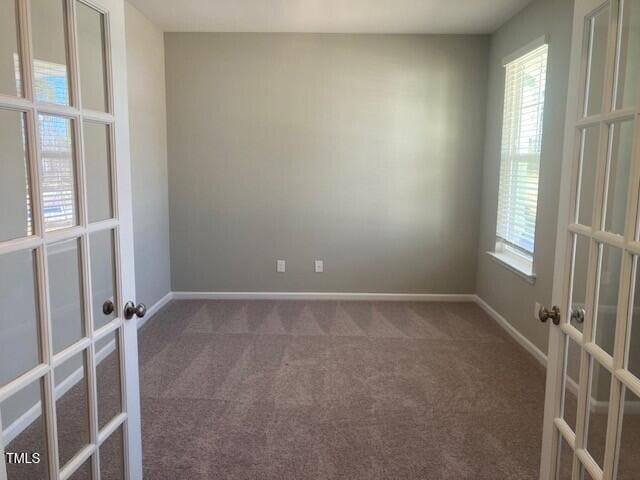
x=69, y=398
x=592, y=406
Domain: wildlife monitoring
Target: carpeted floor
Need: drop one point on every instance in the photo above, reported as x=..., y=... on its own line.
x=329, y=390
x=349, y=390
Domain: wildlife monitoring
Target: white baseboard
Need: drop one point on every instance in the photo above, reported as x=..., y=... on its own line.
x=153, y=309
x=598, y=407
x=27, y=418
x=398, y=297
x=538, y=354
x=601, y=407
x=13, y=430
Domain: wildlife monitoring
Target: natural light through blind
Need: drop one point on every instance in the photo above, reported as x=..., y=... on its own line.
x=525, y=80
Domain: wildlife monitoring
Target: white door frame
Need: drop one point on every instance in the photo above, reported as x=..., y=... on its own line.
x=118, y=71
x=567, y=227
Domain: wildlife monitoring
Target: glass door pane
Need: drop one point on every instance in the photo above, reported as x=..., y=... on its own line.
x=24, y=434
x=103, y=276
x=111, y=457
x=97, y=160
x=15, y=188
x=607, y=298
x=83, y=472
x=597, y=412
x=565, y=459
x=108, y=378
x=598, y=37
x=578, y=292
x=633, y=329
x=10, y=73
x=65, y=294
x=50, y=75
x=587, y=174
x=19, y=334
x=58, y=173
x=90, y=27
x=571, y=382
x=618, y=171
x=629, y=456
x=72, y=406
x=629, y=60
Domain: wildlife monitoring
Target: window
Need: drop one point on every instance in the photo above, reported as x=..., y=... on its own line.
x=525, y=79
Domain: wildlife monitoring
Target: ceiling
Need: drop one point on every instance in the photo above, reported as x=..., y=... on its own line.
x=330, y=16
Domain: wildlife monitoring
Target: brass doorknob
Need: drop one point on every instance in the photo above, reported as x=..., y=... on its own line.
x=554, y=314
x=138, y=310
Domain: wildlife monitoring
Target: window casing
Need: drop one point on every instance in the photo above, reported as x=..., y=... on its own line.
x=524, y=95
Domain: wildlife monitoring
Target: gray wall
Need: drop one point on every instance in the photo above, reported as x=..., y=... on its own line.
x=148, y=134
x=509, y=294
x=364, y=151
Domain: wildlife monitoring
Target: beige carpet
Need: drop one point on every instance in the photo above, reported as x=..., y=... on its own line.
x=329, y=390
x=349, y=390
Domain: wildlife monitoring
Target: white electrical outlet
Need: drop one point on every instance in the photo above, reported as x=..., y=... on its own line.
x=281, y=266
x=536, y=310
x=319, y=266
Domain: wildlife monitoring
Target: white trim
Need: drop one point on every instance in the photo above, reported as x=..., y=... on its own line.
x=532, y=45
x=538, y=354
x=155, y=308
x=598, y=407
x=21, y=423
x=601, y=407
x=399, y=297
x=27, y=418
x=522, y=268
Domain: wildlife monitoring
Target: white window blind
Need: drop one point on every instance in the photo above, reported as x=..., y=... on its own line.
x=57, y=176
x=520, y=152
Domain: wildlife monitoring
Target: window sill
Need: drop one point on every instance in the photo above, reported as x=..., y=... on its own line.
x=520, y=267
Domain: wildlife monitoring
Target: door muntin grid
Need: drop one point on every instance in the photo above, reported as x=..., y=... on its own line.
x=605, y=338
x=94, y=339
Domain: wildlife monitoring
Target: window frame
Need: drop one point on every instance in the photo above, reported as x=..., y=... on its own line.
x=508, y=255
